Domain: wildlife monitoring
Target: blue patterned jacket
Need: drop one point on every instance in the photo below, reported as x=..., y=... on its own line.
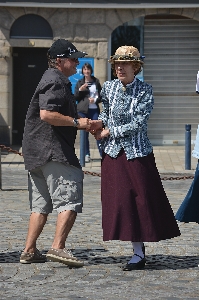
x=126, y=113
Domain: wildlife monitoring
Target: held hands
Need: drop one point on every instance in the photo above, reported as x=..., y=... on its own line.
x=95, y=125
x=97, y=130
x=89, y=125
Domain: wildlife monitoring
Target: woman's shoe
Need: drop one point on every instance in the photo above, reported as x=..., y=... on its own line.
x=135, y=266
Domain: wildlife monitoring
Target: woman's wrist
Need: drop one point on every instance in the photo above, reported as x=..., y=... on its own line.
x=107, y=132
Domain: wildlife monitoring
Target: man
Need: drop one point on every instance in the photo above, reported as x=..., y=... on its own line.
x=55, y=175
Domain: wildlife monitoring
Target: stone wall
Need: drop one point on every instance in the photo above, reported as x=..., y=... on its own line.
x=88, y=29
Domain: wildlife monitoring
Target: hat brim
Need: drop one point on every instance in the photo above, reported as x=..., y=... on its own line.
x=130, y=60
x=77, y=54
x=128, y=57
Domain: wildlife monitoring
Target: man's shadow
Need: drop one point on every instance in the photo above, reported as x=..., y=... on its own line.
x=90, y=257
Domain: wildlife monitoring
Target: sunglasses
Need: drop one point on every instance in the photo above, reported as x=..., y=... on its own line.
x=73, y=59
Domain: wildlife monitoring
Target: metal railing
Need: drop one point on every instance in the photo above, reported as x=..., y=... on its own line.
x=82, y=157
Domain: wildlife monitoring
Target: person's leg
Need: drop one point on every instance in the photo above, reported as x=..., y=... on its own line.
x=41, y=205
x=36, y=224
x=58, y=252
x=65, y=185
x=87, y=146
x=138, y=252
x=65, y=221
x=138, y=260
x=93, y=115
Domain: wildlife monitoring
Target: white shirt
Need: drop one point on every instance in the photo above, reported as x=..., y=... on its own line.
x=93, y=94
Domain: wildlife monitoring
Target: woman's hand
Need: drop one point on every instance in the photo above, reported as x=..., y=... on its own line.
x=91, y=100
x=95, y=125
x=83, y=87
x=101, y=133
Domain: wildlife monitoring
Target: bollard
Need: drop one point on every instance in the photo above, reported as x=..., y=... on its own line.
x=0, y=172
x=187, y=147
x=82, y=147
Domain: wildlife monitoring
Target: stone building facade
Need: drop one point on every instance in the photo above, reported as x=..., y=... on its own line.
x=89, y=29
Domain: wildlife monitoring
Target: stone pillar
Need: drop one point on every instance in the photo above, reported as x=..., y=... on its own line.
x=100, y=69
x=101, y=62
x=5, y=105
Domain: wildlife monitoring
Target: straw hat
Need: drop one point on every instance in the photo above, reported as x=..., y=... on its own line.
x=127, y=53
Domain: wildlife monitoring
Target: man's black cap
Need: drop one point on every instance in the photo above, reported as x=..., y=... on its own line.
x=64, y=49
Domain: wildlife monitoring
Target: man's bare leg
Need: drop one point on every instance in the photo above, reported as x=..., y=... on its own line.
x=36, y=225
x=58, y=253
x=65, y=221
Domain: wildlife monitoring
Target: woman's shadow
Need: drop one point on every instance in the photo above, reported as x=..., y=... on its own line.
x=153, y=262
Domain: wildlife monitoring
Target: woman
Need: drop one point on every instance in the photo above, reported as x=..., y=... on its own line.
x=87, y=94
x=134, y=204
x=189, y=209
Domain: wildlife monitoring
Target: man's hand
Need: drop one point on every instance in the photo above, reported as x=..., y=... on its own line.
x=84, y=123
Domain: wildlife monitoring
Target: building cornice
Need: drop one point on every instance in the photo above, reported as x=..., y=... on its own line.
x=98, y=5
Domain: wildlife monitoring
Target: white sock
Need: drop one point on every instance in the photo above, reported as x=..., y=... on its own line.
x=137, y=247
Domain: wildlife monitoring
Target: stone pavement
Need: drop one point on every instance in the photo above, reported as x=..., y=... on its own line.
x=172, y=266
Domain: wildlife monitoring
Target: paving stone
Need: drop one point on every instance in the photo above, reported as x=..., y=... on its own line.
x=172, y=266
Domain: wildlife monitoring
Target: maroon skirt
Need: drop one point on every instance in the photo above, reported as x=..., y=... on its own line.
x=134, y=204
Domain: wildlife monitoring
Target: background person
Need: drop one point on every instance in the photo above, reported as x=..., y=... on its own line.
x=55, y=175
x=87, y=94
x=134, y=204
x=189, y=209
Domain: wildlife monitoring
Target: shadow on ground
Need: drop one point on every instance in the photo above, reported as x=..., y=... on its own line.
x=90, y=257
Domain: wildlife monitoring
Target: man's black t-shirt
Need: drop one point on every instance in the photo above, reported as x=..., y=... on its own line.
x=43, y=142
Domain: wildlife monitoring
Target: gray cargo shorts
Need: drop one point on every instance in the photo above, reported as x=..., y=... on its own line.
x=56, y=186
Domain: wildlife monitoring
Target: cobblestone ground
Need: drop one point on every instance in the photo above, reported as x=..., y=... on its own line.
x=172, y=266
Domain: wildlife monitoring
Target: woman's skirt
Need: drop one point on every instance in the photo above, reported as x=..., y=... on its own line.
x=134, y=204
x=189, y=209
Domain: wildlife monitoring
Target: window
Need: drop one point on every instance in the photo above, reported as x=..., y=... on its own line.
x=31, y=26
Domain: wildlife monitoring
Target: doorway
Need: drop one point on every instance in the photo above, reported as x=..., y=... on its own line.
x=130, y=33
x=29, y=65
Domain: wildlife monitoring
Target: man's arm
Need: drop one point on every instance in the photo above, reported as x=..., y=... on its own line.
x=56, y=119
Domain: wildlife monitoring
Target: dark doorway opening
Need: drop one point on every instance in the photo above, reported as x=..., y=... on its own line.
x=130, y=34
x=31, y=26
x=29, y=65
